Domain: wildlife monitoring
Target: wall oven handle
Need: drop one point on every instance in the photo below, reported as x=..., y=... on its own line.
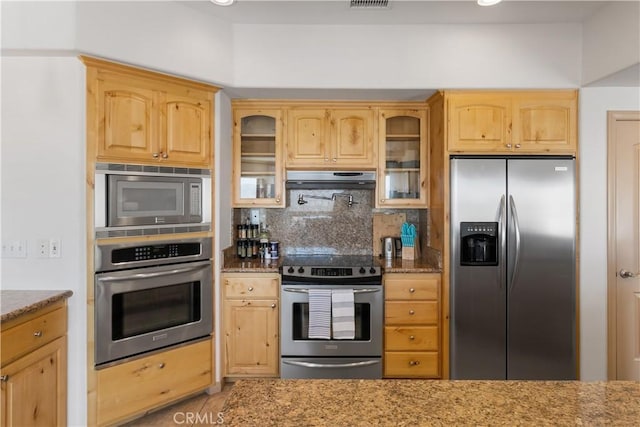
x=152, y=275
x=331, y=365
x=355, y=291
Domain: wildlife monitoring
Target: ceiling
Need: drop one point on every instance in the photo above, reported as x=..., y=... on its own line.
x=338, y=12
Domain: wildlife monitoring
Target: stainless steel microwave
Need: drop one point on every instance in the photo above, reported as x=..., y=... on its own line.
x=134, y=200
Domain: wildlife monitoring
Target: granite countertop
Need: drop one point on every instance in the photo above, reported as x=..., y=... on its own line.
x=428, y=402
x=15, y=303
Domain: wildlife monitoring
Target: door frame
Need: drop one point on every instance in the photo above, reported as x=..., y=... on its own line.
x=612, y=270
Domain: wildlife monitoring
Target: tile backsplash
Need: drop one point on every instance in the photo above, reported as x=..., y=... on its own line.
x=326, y=226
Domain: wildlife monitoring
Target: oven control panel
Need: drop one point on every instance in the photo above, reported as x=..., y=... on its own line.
x=143, y=253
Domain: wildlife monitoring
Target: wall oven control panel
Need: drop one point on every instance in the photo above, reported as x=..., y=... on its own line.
x=165, y=250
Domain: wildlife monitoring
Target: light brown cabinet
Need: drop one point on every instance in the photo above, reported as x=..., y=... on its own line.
x=331, y=138
x=130, y=388
x=258, y=166
x=135, y=116
x=33, y=374
x=412, y=325
x=403, y=150
x=251, y=324
x=534, y=122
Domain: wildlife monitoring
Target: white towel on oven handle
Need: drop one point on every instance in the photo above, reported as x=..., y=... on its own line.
x=320, y=314
x=342, y=312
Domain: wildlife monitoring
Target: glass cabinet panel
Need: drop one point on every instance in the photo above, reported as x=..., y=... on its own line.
x=258, y=165
x=403, y=166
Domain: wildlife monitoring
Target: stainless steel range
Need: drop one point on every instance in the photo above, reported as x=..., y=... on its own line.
x=307, y=353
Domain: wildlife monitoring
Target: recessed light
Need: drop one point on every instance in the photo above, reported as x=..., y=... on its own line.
x=223, y=2
x=488, y=2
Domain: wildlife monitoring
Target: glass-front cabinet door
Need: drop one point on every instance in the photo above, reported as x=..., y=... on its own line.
x=257, y=153
x=402, y=172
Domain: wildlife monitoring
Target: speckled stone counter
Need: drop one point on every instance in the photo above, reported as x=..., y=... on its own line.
x=19, y=302
x=427, y=403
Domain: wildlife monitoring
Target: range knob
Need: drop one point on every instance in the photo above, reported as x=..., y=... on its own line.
x=372, y=270
x=301, y=270
x=362, y=270
x=290, y=270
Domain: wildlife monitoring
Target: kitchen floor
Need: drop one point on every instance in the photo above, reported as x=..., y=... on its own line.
x=196, y=411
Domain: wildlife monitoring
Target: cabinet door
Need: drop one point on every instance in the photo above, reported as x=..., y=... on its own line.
x=186, y=131
x=545, y=123
x=251, y=337
x=402, y=171
x=34, y=387
x=479, y=123
x=352, y=138
x=308, y=138
x=257, y=158
x=128, y=127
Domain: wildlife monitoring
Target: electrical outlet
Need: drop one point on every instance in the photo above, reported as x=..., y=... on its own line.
x=43, y=248
x=54, y=248
x=255, y=216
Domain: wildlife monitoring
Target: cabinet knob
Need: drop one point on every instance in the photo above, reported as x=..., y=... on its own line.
x=414, y=363
x=250, y=288
x=508, y=145
x=273, y=305
x=411, y=337
x=518, y=146
x=412, y=290
x=165, y=155
x=4, y=378
x=326, y=159
x=155, y=155
x=37, y=334
x=335, y=160
x=277, y=199
x=161, y=365
x=411, y=312
x=381, y=200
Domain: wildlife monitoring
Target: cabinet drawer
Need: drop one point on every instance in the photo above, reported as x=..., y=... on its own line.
x=133, y=387
x=250, y=287
x=28, y=336
x=412, y=287
x=411, y=312
x=418, y=338
x=411, y=364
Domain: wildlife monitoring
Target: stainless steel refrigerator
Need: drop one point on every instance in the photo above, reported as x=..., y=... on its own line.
x=513, y=274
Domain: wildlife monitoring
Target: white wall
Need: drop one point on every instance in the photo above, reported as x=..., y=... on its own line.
x=611, y=40
x=43, y=192
x=594, y=104
x=407, y=56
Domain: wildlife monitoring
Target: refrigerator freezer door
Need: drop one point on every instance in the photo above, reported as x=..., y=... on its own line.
x=541, y=307
x=478, y=293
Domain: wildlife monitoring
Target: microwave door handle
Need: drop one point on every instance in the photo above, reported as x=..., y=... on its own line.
x=151, y=275
x=355, y=291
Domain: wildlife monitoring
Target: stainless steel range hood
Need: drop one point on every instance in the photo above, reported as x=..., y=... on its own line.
x=310, y=180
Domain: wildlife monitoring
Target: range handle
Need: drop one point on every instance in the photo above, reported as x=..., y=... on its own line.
x=355, y=291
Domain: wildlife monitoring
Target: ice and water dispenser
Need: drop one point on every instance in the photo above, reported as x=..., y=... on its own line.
x=479, y=243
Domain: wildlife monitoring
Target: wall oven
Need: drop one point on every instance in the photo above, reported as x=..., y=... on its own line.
x=151, y=295
x=330, y=357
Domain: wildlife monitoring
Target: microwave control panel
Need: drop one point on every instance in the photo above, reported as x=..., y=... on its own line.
x=150, y=252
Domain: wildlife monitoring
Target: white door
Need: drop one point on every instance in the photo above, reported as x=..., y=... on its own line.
x=624, y=199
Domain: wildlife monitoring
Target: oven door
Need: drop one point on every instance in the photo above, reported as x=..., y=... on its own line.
x=294, y=326
x=148, y=308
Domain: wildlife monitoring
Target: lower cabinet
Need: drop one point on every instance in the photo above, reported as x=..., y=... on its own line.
x=412, y=326
x=133, y=387
x=251, y=324
x=33, y=386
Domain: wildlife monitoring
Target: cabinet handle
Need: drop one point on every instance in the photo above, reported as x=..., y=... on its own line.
x=37, y=334
x=250, y=288
x=412, y=290
x=273, y=305
x=4, y=378
x=414, y=363
x=508, y=145
x=161, y=365
x=155, y=155
x=411, y=312
x=518, y=145
x=165, y=155
x=411, y=338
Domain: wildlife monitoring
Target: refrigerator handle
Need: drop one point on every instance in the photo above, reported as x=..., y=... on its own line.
x=516, y=223
x=503, y=239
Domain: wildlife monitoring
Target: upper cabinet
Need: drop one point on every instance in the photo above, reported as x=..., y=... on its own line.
x=331, y=138
x=534, y=122
x=258, y=168
x=403, y=148
x=148, y=118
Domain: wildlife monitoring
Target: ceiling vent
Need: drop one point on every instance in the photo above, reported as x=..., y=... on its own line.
x=369, y=4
